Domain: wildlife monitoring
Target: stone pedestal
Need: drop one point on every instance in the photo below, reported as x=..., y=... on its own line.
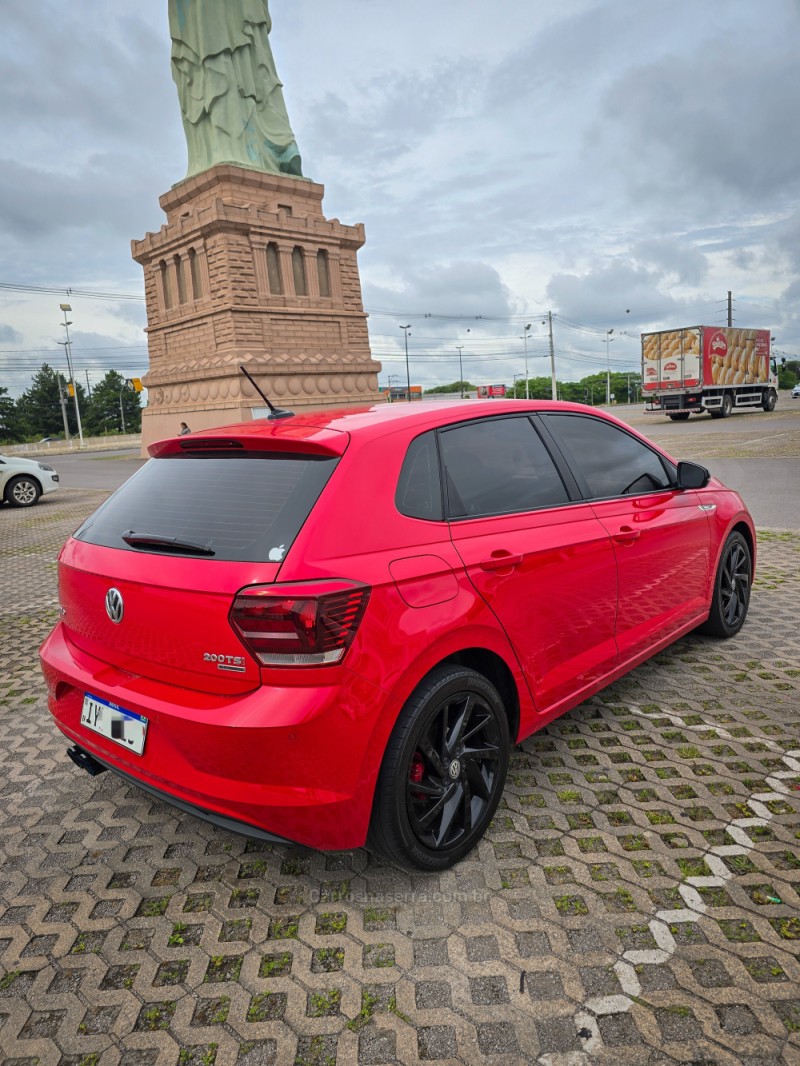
x=248, y=271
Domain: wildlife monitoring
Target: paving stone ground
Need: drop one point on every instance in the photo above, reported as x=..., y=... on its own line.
x=635, y=901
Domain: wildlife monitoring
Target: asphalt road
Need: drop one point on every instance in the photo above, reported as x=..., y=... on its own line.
x=755, y=453
x=95, y=470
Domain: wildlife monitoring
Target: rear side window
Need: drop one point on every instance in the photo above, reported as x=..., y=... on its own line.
x=246, y=507
x=610, y=461
x=419, y=488
x=498, y=466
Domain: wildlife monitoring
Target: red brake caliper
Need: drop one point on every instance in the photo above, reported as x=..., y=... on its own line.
x=415, y=774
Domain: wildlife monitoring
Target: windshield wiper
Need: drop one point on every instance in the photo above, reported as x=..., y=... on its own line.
x=155, y=540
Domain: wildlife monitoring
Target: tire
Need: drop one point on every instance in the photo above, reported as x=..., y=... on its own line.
x=443, y=771
x=727, y=405
x=731, y=597
x=769, y=400
x=680, y=416
x=22, y=491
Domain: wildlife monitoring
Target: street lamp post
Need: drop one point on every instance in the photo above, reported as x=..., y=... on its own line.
x=459, y=349
x=121, y=409
x=68, y=349
x=525, y=339
x=608, y=368
x=62, y=400
x=405, y=330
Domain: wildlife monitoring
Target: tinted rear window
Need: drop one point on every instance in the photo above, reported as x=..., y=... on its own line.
x=244, y=506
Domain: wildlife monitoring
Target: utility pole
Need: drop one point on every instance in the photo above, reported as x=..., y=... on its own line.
x=730, y=309
x=121, y=410
x=405, y=330
x=63, y=407
x=608, y=367
x=459, y=349
x=68, y=349
x=527, y=381
x=552, y=358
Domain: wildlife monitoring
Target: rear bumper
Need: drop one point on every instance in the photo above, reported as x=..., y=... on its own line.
x=676, y=401
x=290, y=761
x=81, y=758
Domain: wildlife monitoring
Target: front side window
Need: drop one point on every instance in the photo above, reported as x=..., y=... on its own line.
x=498, y=466
x=609, y=461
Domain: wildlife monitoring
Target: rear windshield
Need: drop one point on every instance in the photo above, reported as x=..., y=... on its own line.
x=247, y=507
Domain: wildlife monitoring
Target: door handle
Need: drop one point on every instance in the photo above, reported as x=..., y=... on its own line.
x=501, y=560
x=626, y=535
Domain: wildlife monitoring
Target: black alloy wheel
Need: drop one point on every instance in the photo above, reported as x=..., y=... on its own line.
x=731, y=597
x=443, y=772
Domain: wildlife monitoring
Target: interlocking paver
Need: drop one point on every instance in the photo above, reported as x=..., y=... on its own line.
x=635, y=900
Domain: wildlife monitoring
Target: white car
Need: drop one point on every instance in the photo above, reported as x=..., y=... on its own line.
x=796, y=392
x=23, y=481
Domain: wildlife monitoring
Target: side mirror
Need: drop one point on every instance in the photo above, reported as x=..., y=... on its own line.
x=692, y=476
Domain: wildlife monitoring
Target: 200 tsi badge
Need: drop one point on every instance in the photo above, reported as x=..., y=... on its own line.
x=233, y=663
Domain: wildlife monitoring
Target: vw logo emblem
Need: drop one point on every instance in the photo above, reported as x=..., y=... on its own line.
x=115, y=608
x=454, y=769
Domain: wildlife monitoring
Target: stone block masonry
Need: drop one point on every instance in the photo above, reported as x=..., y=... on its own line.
x=248, y=271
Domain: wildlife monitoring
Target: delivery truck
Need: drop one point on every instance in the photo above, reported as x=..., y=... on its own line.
x=707, y=368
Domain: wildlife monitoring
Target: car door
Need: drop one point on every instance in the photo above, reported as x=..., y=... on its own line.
x=543, y=562
x=660, y=534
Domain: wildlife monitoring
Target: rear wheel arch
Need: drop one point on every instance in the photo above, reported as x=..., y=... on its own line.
x=497, y=672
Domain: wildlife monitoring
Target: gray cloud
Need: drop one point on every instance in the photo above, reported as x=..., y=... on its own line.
x=712, y=129
x=9, y=335
x=687, y=263
x=455, y=289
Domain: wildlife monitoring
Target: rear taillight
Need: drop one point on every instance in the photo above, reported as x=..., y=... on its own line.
x=299, y=625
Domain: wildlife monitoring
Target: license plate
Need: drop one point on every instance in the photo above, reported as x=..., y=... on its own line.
x=109, y=720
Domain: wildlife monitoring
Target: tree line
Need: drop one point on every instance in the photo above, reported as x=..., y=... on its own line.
x=47, y=409
x=625, y=388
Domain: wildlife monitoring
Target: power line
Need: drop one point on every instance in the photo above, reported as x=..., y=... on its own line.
x=65, y=290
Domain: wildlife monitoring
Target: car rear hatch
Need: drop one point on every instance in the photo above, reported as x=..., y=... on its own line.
x=147, y=583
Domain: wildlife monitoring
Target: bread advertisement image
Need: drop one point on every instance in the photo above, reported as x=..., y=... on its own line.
x=705, y=356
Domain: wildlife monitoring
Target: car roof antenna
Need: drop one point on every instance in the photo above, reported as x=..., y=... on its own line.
x=274, y=412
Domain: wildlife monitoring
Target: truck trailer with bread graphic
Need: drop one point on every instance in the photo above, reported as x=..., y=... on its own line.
x=707, y=368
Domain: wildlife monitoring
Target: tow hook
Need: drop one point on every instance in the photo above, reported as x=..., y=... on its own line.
x=86, y=761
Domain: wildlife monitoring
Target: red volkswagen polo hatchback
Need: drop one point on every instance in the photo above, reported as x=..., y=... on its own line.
x=331, y=628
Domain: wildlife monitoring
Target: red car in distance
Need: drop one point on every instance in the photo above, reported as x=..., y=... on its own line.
x=331, y=628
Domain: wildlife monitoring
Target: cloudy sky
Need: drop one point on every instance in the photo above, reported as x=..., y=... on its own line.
x=620, y=163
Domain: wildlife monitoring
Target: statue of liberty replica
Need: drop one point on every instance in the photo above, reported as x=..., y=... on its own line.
x=230, y=96
x=248, y=271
